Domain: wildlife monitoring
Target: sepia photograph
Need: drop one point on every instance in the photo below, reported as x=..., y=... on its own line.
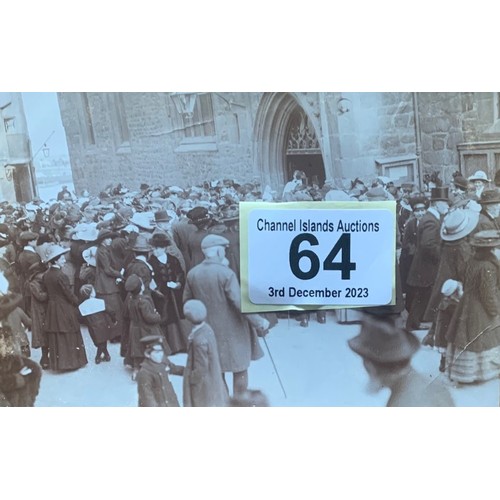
x=214, y=205
x=120, y=233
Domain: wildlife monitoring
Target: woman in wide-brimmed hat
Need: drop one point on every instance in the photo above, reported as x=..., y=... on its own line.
x=474, y=332
x=66, y=348
x=170, y=278
x=456, y=251
x=84, y=237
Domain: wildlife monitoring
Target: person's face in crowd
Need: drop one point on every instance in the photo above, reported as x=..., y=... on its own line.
x=107, y=242
x=155, y=353
x=61, y=260
x=442, y=207
x=493, y=209
x=32, y=243
x=158, y=251
x=478, y=185
x=419, y=210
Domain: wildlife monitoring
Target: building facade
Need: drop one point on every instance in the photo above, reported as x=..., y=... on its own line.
x=185, y=139
x=17, y=179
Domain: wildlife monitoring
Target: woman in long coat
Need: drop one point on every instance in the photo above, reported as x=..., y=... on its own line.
x=66, y=348
x=108, y=279
x=474, y=334
x=39, y=298
x=456, y=252
x=170, y=279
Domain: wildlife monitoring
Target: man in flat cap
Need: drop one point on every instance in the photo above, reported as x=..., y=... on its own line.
x=216, y=285
x=387, y=351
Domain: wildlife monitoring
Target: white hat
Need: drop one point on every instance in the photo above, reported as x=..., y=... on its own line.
x=51, y=251
x=144, y=220
x=479, y=176
x=449, y=287
x=89, y=256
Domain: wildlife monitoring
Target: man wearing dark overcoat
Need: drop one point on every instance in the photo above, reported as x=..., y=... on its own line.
x=490, y=211
x=425, y=262
x=26, y=258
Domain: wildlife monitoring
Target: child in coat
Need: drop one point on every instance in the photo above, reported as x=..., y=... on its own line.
x=153, y=384
x=203, y=384
x=143, y=319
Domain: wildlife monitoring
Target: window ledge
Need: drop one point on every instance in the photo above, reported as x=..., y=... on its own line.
x=197, y=144
x=124, y=148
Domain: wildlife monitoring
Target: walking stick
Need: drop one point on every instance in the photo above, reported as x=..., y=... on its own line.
x=274, y=365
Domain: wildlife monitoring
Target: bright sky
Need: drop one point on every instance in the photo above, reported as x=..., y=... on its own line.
x=43, y=117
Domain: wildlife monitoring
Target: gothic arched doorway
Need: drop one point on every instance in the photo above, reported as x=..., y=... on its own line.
x=286, y=139
x=303, y=151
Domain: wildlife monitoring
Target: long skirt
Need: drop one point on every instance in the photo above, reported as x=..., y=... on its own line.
x=66, y=351
x=176, y=335
x=114, y=304
x=467, y=367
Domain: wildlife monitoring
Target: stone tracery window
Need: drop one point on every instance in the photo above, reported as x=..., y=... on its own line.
x=201, y=124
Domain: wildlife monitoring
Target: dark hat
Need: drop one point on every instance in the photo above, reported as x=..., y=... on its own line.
x=439, y=194
x=198, y=214
x=106, y=233
x=28, y=236
x=418, y=200
x=141, y=244
x=37, y=267
x=160, y=240
x=144, y=187
x=486, y=239
x=383, y=342
x=213, y=240
x=489, y=196
x=461, y=182
x=162, y=216
x=133, y=283
x=151, y=340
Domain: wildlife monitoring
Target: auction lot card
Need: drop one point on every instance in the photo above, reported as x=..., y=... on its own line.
x=329, y=254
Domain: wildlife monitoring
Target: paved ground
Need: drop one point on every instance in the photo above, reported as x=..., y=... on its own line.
x=315, y=364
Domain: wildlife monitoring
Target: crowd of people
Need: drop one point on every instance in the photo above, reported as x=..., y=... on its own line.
x=157, y=270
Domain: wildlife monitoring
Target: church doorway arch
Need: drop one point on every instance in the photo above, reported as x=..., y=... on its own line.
x=286, y=139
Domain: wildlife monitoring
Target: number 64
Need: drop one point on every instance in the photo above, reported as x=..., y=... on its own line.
x=343, y=245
